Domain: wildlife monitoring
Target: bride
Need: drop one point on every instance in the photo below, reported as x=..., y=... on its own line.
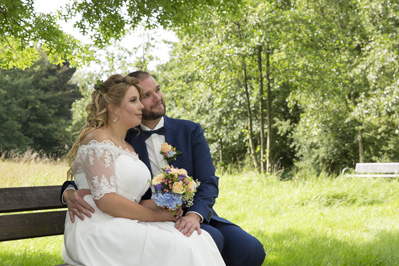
x=124, y=230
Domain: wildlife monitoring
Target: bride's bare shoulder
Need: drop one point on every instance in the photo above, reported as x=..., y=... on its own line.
x=98, y=134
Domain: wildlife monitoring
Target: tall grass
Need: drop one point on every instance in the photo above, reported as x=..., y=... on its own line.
x=309, y=220
x=31, y=169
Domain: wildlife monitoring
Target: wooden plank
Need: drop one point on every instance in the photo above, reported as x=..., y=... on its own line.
x=30, y=198
x=29, y=225
x=377, y=168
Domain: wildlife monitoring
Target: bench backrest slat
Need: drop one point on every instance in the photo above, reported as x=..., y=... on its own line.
x=377, y=168
x=21, y=226
x=30, y=223
x=29, y=198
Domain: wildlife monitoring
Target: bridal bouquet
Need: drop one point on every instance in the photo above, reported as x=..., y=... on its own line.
x=173, y=187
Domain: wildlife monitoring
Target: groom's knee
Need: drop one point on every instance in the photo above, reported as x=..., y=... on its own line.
x=251, y=253
x=216, y=235
x=256, y=254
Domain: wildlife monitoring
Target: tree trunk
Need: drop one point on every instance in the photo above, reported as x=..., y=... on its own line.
x=261, y=107
x=269, y=112
x=249, y=114
x=248, y=107
x=361, y=146
x=221, y=149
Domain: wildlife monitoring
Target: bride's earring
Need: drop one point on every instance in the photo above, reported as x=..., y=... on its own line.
x=115, y=118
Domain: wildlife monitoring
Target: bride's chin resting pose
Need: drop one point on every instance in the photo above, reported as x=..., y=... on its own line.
x=123, y=230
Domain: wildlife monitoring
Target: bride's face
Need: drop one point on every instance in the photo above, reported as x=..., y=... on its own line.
x=130, y=109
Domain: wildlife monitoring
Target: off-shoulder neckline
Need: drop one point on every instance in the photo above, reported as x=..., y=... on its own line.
x=108, y=142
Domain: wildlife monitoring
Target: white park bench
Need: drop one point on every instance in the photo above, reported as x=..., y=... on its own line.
x=374, y=170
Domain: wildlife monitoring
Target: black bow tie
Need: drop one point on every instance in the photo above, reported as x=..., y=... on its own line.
x=146, y=134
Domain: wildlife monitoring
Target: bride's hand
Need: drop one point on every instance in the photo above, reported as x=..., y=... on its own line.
x=179, y=213
x=169, y=215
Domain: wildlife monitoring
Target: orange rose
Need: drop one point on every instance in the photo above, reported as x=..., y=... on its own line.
x=165, y=148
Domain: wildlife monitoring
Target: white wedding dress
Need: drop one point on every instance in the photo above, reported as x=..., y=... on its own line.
x=106, y=240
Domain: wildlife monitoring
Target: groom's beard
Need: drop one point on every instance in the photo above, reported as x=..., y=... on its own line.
x=153, y=115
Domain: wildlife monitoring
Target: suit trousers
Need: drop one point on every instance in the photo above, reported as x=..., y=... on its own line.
x=238, y=248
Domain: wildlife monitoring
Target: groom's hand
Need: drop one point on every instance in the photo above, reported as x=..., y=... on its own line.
x=76, y=204
x=187, y=224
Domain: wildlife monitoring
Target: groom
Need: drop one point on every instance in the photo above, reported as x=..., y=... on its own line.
x=236, y=246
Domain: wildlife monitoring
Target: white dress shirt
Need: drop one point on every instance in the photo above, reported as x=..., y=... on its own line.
x=154, y=143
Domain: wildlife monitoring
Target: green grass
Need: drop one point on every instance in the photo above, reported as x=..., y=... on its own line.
x=320, y=221
x=304, y=221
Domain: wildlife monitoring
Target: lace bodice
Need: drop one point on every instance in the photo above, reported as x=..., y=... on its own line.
x=105, y=168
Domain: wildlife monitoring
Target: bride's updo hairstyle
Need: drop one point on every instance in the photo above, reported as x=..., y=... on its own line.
x=110, y=92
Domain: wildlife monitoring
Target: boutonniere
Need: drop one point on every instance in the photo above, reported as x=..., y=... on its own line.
x=169, y=152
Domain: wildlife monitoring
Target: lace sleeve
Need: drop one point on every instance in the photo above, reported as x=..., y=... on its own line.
x=98, y=164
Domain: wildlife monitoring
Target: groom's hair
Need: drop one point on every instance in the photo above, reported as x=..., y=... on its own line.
x=140, y=75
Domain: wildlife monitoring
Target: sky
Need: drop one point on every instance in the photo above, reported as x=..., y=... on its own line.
x=161, y=49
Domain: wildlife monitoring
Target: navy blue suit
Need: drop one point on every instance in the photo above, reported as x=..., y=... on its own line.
x=237, y=246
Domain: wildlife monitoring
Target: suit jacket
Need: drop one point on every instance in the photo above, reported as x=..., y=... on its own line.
x=187, y=137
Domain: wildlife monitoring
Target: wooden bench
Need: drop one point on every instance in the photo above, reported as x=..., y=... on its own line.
x=374, y=170
x=31, y=223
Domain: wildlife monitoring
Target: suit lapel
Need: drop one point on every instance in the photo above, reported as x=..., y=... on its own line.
x=172, y=138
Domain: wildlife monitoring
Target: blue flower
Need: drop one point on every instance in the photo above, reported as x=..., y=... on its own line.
x=170, y=154
x=169, y=200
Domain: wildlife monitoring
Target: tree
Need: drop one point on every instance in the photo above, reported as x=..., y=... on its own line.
x=22, y=28
x=37, y=107
x=331, y=67
x=219, y=68
x=341, y=49
x=115, y=58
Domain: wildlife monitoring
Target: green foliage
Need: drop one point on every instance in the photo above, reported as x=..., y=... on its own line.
x=116, y=58
x=36, y=107
x=205, y=81
x=345, y=75
x=111, y=19
x=21, y=28
x=333, y=71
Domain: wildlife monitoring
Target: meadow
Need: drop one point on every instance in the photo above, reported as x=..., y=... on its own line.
x=309, y=220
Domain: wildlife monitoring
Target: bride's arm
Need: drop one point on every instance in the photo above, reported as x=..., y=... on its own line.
x=118, y=206
x=149, y=203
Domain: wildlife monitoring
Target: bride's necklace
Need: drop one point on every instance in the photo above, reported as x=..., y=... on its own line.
x=122, y=140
